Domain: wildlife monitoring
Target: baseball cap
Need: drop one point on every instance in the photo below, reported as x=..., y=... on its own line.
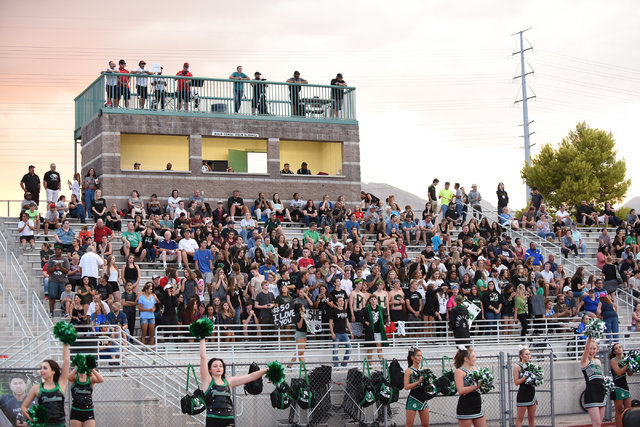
x=168, y=286
x=220, y=201
x=52, y=205
x=186, y=64
x=231, y=222
x=257, y=73
x=155, y=276
x=566, y=289
x=142, y=62
x=31, y=166
x=474, y=185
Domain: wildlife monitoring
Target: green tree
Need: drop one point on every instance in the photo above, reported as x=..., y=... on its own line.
x=583, y=167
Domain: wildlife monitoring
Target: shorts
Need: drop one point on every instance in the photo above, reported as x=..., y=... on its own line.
x=55, y=289
x=124, y=92
x=151, y=321
x=337, y=104
x=112, y=91
x=414, y=404
x=207, y=277
x=142, y=91
x=27, y=239
x=299, y=335
x=377, y=337
x=184, y=95
x=82, y=415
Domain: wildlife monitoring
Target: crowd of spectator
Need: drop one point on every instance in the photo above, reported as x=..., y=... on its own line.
x=235, y=273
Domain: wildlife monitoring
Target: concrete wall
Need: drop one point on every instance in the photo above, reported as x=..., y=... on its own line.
x=101, y=150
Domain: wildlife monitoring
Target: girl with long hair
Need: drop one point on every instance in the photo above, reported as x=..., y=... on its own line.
x=82, y=397
x=620, y=395
x=300, y=334
x=469, y=410
x=594, y=395
x=111, y=269
x=417, y=399
x=147, y=306
x=526, y=399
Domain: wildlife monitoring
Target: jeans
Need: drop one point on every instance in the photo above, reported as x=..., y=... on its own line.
x=307, y=220
x=341, y=338
x=236, y=318
x=78, y=212
x=568, y=248
x=492, y=316
x=611, y=324
x=237, y=99
x=544, y=235
x=45, y=283
x=459, y=210
x=444, y=210
x=151, y=254
x=88, y=200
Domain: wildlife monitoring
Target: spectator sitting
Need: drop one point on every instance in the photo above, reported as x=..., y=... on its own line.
x=586, y=214
x=65, y=236
x=77, y=209
x=534, y=253
x=261, y=206
x=247, y=226
x=51, y=220
x=528, y=218
x=568, y=244
x=507, y=220
x=235, y=204
x=286, y=169
x=543, y=227
x=62, y=207
x=26, y=228
x=200, y=206
x=304, y=170
x=154, y=207
x=563, y=217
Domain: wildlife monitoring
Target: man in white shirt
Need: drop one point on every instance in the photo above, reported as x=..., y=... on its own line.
x=111, y=85
x=180, y=209
x=345, y=283
x=188, y=247
x=563, y=217
x=141, y=83
x=97, y=299
x=25, y=228
x=577, y=237
x=90, y=264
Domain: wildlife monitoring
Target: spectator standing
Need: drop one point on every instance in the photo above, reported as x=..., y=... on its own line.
x=90, y=264
x=51, y=182
x=142, y=83
x=446, y=197
x=536, y=199
x=111, y=85
x=159, y=85
x=184, y=87
x=30, y=182
x=259, y=100
x=57, y=268
x=475, y=198
x=90, y=185
x=433, y=199
x=123, y=84
x=520, y=310
x=238, y=87
x=339, y=326
x=503, y=198
x=297, y=109
x=337, y=94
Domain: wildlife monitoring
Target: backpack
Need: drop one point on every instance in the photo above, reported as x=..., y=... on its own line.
x=254, y=387
x=386, y=392
x=193, y=404
x=395, y=374
x=367, y=393
x=446, y=384
x=302, y=393
x=281, y=396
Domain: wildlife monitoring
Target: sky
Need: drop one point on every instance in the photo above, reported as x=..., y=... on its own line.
x=435, y=79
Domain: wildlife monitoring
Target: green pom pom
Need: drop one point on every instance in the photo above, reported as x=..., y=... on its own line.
x=65, y=332
x=80, y=362
x=39, y=416
x=275, y=372
x=92, y=363
x=201, y=328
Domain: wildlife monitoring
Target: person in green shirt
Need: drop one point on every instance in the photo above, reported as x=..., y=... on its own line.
x=312, y=235
x=446, y=197
x=272, y=223
x=238, y=87
x=131, y=242
x=520, y=309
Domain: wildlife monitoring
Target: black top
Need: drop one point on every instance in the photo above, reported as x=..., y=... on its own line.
x=104, y=290
x=304, y=172
x=53, y=402
x=81, y=395
x=99, y=204
x=237, y=201
x=337, y=93
x=459, y=321
x=339, y=318
x=493, y=299
x=52, y=179
x=130, y=274
x=31, y=182
x=132, y=297
x=296, y=319
x=414, y=299
x=609, y=272
x=218, y=399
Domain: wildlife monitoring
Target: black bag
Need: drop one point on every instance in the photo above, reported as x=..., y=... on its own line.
x=367, y=392
x=446, y=384
x=193, y=404
x=304, y=397
x=254, y=387
x=386, y=392
x=281, y=396
x=396, y=375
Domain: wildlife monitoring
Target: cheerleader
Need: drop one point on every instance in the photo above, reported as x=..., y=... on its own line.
x=218, y=388
x=82, y=397
x=469, y=411
x=594, y=395
x=620, y=396
x=526, y=399
x=50, y=392
x=417, y=399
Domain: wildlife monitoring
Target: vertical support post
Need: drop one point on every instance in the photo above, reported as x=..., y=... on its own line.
x=504, y=392
x=551, y=381
x=233, y=390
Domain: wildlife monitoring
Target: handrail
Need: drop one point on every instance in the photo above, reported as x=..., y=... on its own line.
x=39, y=314
x=3, y=299
x=16, y=315
x=22, y=280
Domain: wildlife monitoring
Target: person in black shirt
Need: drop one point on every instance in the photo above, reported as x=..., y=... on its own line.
x=30, y=182
x=459, y=321
x=339, y=325
x=259, y=101
x=337, y=94
x=52, y=184
x=336, y=293
x=413, y=302
x=301, y=332
x=235, y=204
x=303, y=169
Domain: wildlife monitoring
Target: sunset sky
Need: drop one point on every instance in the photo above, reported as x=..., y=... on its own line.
x=434, y=79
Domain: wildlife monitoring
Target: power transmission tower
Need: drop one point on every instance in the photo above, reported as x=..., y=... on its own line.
x=525, y=107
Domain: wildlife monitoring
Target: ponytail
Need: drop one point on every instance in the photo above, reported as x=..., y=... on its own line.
x=462, y=353
x=412, y=352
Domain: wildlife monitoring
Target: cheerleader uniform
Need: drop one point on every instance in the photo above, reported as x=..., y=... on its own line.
x=82, y=400
x=526, y=393
x=417, y=399
x=53, y=401
x=470, y=404
x=620, y=382
x=594, y=395
x=219, y=405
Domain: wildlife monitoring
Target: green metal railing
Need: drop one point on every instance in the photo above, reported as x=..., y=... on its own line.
x=199, y=96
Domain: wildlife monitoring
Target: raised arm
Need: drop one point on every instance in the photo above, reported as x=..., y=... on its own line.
x=584, y=360
x=243, y=379
x=205, y=376
x=66, y=363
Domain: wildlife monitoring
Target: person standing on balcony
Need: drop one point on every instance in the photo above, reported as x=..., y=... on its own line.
x=259, y=101
x=123, y=84
x=159, y=86
x=238, y=87
x=142, y=83
x=294, y=94
x=184, y=87
x=111, y=85
x=30, y=182
x=337, y=95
